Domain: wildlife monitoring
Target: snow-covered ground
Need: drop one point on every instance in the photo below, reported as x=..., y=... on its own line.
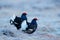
x=47, y=12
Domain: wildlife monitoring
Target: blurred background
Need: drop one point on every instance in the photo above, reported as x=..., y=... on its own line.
x=47, y=12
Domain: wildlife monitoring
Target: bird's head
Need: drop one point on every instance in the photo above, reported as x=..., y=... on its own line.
x=35, y=19
x=24, y=13
x=24, y=16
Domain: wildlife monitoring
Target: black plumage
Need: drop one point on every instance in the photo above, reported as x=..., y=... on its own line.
x=18, y=20
x=31, y=26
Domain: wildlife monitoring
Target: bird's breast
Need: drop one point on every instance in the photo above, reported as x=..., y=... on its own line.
x=24, y=25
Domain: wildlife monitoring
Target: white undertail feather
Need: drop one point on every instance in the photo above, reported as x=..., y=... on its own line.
x=24, y=25
x=13, y=17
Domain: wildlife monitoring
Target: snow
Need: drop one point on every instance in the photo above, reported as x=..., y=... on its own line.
x=47, y=12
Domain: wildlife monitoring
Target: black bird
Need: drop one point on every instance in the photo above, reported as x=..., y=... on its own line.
x=29, y=27
x=18, y=20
